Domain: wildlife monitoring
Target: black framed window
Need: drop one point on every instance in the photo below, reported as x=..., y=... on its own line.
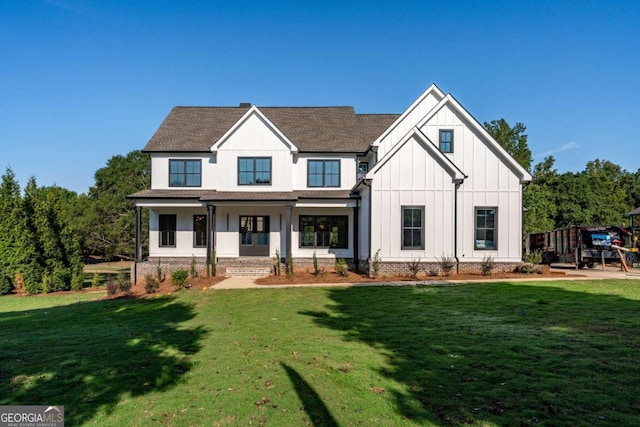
x=446, y=141
x=486, y=229
x=323, y=173
x=167, y=227
x=324, y=231
x=413, y=227
x=363, y=167
x=199, y=231
x=185, y=173
x=254, y=171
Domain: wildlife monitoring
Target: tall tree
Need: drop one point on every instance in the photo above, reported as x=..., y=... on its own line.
x=109, y=223
x=18, y=253
x=50, y=220
x=511, y=139
x=539, y=198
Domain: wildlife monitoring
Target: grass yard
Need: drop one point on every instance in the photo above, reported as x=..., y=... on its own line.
x=563, y=353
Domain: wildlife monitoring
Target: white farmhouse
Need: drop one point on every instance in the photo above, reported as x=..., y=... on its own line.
x=233, y=186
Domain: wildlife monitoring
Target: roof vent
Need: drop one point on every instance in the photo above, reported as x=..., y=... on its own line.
x=245, y=104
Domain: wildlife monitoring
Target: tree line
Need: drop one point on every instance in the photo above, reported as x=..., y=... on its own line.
x=45, y=232
x=601, y=194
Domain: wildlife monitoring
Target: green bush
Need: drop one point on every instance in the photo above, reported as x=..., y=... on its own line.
x=375, y=264
x=179, y=278
x=341, y=267
x=534, y=257
x=316, y=270
x=95, y=280
x=5, y=285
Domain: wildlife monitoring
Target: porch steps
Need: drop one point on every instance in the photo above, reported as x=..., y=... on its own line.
x=248, y=271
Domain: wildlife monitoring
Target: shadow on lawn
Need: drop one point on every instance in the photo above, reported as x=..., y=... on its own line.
x=88, y=356
x=508, y=354
x=313, y=404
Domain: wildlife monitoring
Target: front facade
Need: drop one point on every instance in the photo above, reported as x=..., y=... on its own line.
x=236, y=185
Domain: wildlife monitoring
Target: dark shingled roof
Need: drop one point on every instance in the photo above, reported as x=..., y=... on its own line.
x=246, y=196
x=311, y=129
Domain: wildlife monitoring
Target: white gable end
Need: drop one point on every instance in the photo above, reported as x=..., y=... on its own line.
x=411, y=117
x=254, y=136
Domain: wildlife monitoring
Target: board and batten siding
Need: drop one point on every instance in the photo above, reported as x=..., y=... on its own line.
x=412, y=177
x=490, y=182
x=413, y=117
x=160, y=169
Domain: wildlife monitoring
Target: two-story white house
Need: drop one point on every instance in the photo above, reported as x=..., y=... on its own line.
x=236, y=185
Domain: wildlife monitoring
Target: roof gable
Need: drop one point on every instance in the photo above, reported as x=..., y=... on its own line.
x=430, y=147
x=253, y=111
x=450, y=101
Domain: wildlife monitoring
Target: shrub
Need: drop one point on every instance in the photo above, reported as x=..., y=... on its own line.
x=534, y=257
x=529, y=268
x=192, y=268
x=112, y=287
x=77, y=282
x=159, y=271
x=150, y=284
x=341, y=267
x=5, y=285
x=447, y=263
x=433, y=270
x=18, y=284
x=487, y=265
x=277, y=266
x=95, y=280
x=124, y=286
x=375, y=264
x=179, y=278
x=316, y=271
x=414, y=267
x=46, y=282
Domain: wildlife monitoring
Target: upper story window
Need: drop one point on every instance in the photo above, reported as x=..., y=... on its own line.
x=446, y=141
x=254, y=171
x=363, y=167
x=486, y=227
x=185, y=173
x=413, y=227
x=323, y=173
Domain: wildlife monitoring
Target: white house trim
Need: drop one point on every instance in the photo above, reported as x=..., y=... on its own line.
x=253, y=110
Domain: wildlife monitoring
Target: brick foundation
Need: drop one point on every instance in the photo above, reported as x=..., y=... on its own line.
x=402, y=268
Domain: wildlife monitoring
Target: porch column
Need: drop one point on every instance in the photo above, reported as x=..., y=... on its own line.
x=211, y=221
x=287, y=220
x=356, y=235
x=138, y=251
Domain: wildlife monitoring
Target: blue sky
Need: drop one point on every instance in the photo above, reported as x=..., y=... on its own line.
x=81, y=81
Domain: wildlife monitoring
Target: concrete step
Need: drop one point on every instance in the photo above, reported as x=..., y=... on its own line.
x=247, y=271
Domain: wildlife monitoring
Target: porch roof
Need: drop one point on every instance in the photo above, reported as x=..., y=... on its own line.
x=243, y=196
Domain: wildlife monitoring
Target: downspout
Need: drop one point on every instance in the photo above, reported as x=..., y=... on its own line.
x=458, y=183
x=367, y=182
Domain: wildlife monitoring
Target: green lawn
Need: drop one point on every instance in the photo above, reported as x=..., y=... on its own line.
x=541, y=353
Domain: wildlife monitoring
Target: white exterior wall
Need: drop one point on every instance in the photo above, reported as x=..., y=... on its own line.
x=413, y=117
x=412, y=177
x=297, y=251
x=184, y=232
x=255, y=138
x=490, y=182
x=160, y=170
x=365, y=195
x=347, y=170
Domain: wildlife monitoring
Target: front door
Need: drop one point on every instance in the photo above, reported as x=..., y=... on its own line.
x=254, y=236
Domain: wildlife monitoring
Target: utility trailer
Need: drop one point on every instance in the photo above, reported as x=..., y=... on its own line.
x=579, y=245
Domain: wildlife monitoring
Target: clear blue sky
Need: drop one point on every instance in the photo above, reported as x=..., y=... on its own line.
x=83, y=80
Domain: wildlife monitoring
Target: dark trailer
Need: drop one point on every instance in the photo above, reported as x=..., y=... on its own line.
x=580, y=245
